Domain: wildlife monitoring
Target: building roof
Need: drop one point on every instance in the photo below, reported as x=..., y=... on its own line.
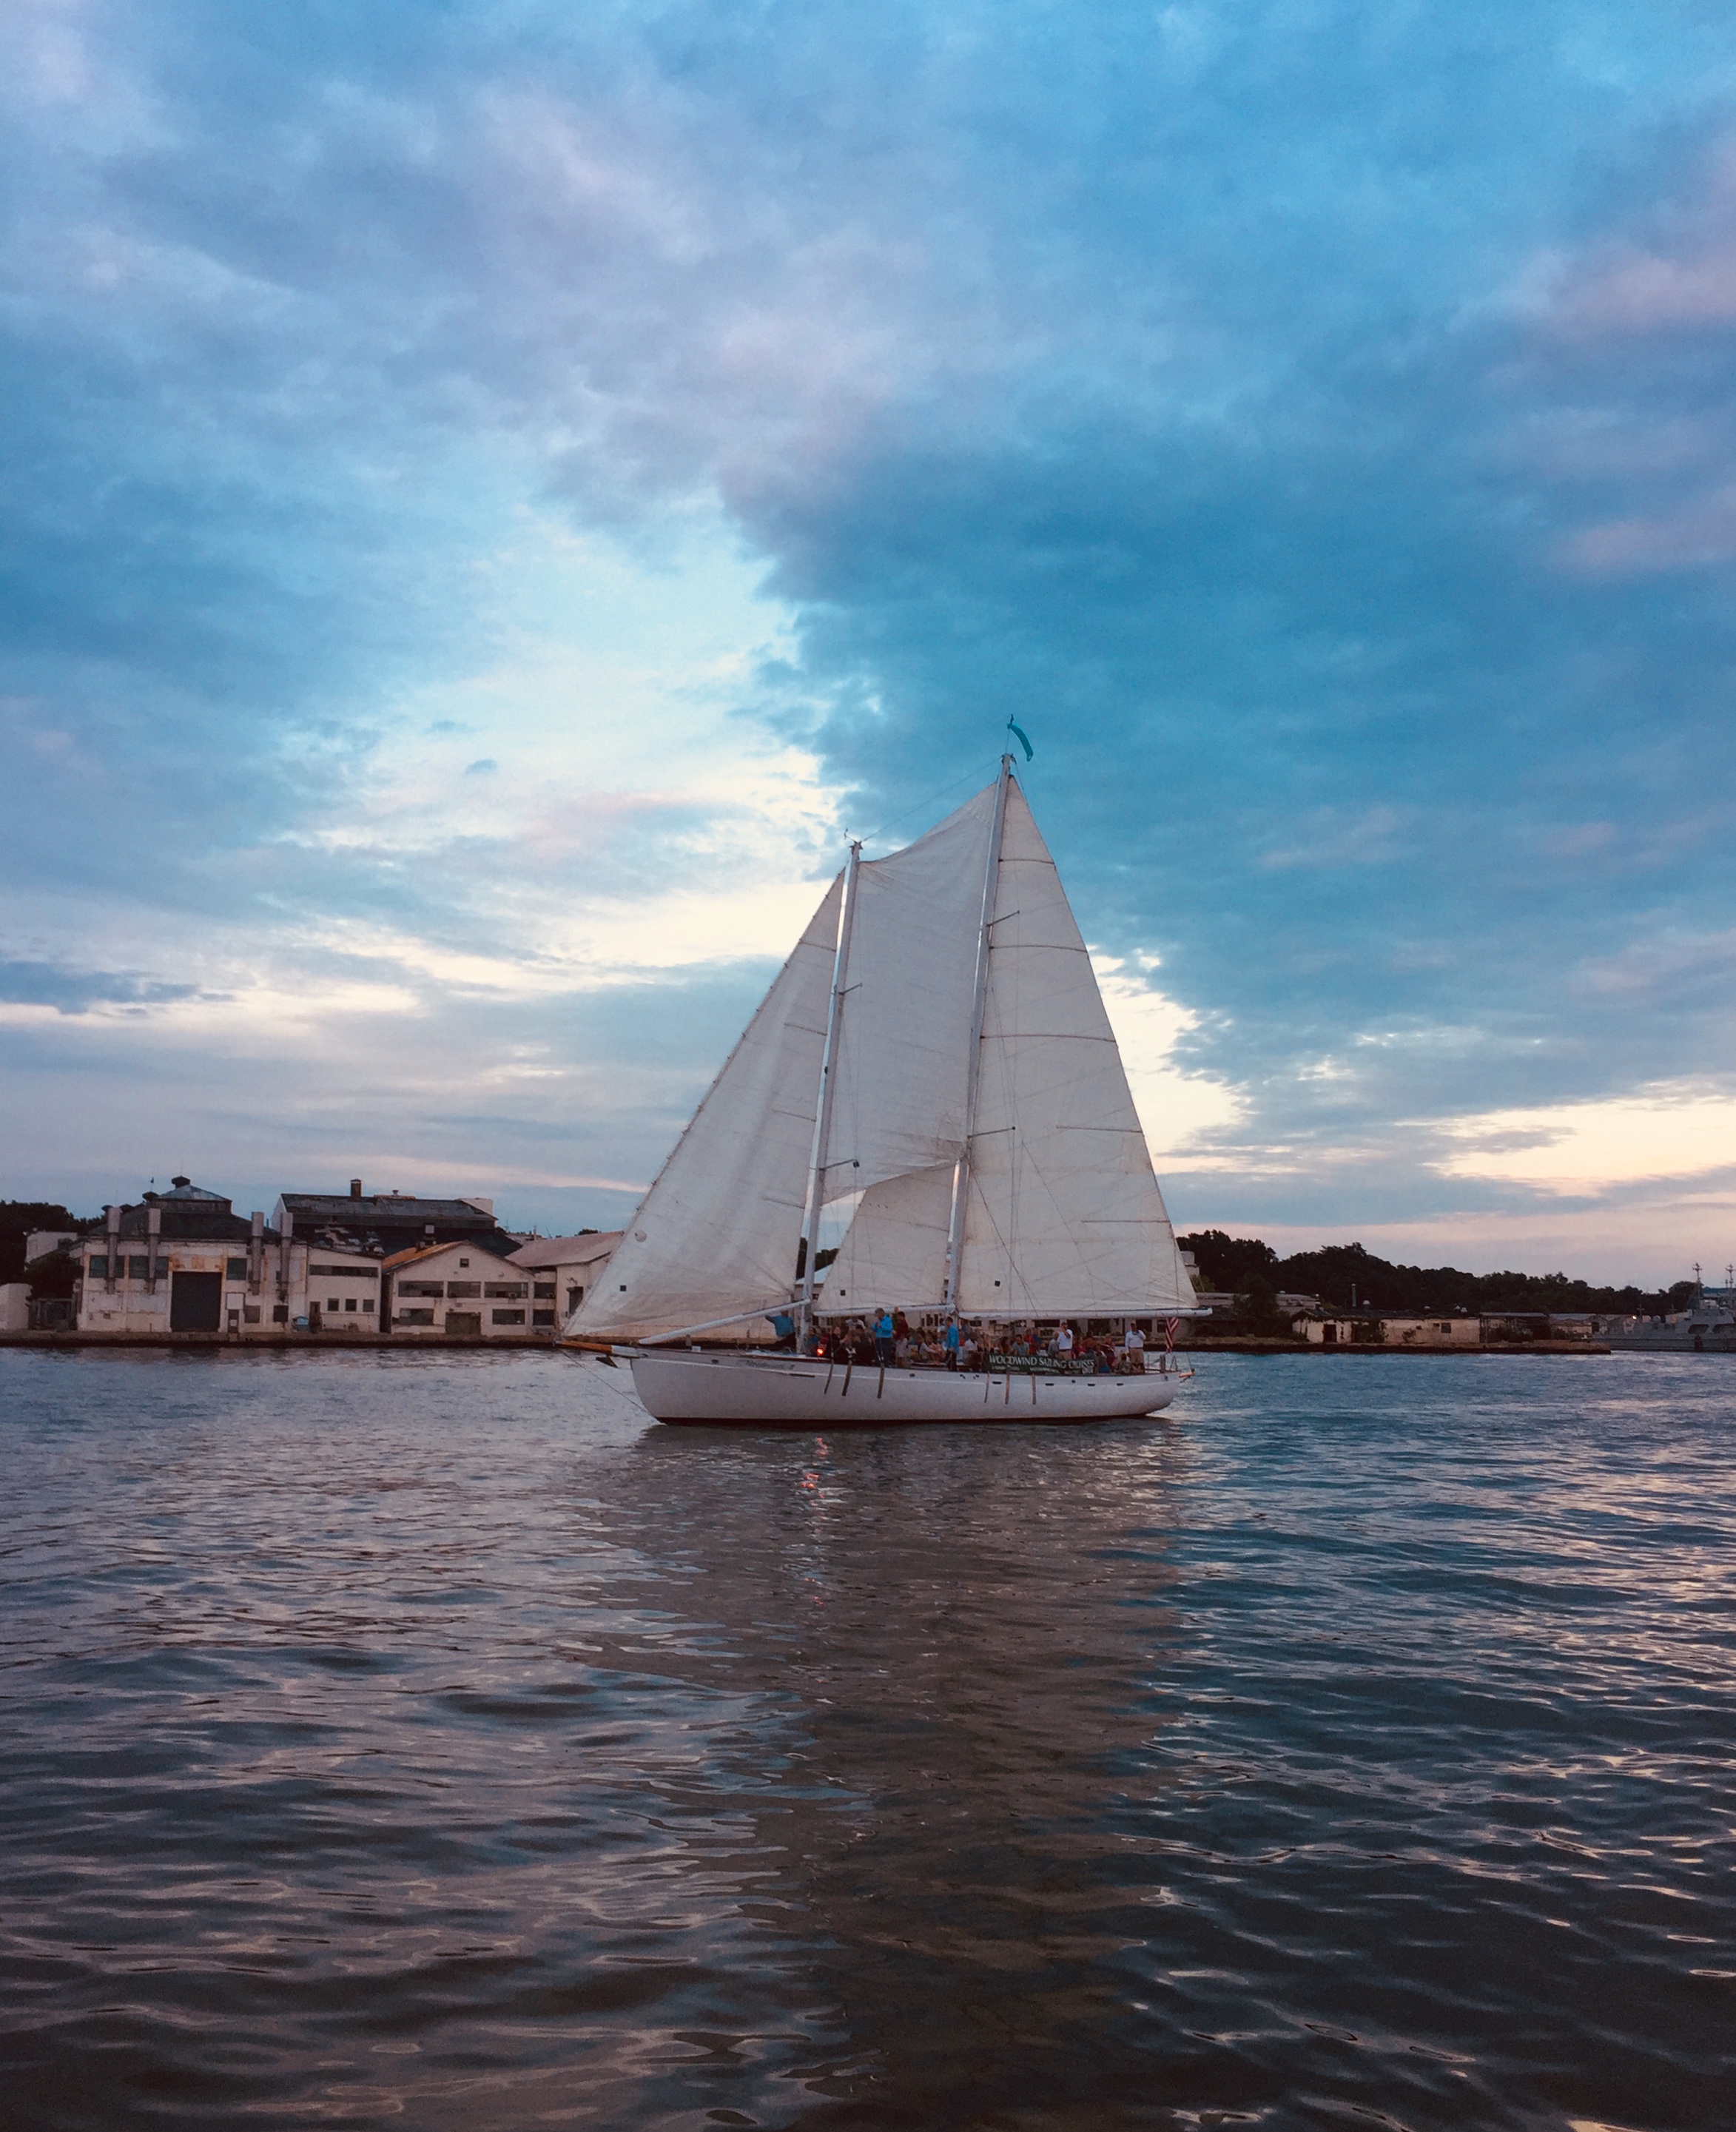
x=383, y=1221
x=374, y=1210
x=500, y=1248
x=188, y=1212
x=583, y=1250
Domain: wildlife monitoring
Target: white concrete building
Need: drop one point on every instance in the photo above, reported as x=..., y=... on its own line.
x=563, y=1270
x=467, y=1290
x=183, y=1261
x=1393, y=1332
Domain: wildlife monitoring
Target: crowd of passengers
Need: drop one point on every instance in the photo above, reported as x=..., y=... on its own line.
x=887, y=1339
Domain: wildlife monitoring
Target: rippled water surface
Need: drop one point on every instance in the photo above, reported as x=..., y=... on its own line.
x=434, y=1741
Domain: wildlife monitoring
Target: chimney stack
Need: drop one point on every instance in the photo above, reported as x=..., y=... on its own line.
x=153, y=1240
x=355, y=1187
x=113, y=1216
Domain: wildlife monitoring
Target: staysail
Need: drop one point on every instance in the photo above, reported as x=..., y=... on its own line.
x=716, y=1236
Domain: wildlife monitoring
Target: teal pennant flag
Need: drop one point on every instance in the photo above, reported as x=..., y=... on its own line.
x=1019, y=734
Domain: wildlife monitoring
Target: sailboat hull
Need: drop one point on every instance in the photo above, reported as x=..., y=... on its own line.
x=789, y=1391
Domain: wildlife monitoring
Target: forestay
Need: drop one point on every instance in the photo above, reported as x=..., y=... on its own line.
x=716, y=1235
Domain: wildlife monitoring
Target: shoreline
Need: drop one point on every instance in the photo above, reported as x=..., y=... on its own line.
x=345, y=1342
x=280, y=1344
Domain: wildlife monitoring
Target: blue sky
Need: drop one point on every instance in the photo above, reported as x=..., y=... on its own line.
x=491, y=494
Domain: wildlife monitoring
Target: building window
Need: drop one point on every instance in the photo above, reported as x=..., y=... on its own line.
x=421, y=1288
x=463, y=1262
x=456, y=1288
x=250, y=1313
x=332, y=1303
x=99, y=1269
x=509, y=1317
x=235, y=1270
x=540, y=1293
x=280, y=1314
x=416, y=1317
x=367, y=1303
x=507, y=1288
x=542, y=1317
x=349, y=1302
x=138, y=1268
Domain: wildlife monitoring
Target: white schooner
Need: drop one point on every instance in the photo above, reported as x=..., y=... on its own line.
x=935, y=1054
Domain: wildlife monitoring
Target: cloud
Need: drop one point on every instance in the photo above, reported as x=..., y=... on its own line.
x=1316, y=426
x=75, y=992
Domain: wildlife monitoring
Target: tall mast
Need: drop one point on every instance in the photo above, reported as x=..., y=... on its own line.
x=823, y=1108
x=962, y=1172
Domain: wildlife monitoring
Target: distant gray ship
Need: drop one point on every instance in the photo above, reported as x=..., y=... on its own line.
x=1707, y=1328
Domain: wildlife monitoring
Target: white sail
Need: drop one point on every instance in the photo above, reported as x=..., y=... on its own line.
x=904, y=1064
x=1063, y=1217
x=894, y=1254
x=717, y=1233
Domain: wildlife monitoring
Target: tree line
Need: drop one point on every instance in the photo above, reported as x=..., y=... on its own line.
x=1245, y=1267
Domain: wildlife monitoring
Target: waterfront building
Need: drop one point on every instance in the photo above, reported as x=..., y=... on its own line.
x=468, y=1289
x=1330, y=1331
x=380, y=1223
x=182, y=1261
x=567, y=1267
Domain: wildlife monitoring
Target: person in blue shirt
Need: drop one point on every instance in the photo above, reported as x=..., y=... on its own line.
x=784, y=1326
x=949, y=1341
x=885, y=1337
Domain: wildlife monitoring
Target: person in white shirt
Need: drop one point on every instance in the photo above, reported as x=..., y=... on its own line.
x=1064, y=1342
x=1133, y=1346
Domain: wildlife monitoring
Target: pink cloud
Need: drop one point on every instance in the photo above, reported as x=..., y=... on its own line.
x=1648, y=292
x=1703, y=532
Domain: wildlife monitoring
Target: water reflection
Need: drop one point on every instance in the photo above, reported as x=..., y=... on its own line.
x=956, y=1642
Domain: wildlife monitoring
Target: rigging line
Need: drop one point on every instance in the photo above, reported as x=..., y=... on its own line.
x=929, y=799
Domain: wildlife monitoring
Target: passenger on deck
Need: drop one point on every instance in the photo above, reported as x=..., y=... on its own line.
x=949, y=1344
x=1064, y=1341
x=1132, y=1347
x=884, y=1339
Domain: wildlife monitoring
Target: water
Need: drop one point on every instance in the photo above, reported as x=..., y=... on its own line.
x=434, y=1742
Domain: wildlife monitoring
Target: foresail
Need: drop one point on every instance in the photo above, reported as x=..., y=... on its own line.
x=904, y=1036
x=717, y=1233
x=894, y=1254
x=1063, y=1217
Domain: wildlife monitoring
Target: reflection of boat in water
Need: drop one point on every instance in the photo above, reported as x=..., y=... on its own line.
x=934, y=1063
x=1710, y=1328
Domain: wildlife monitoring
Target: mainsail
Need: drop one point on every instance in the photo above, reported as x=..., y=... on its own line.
x=979, y=1114
x=1063, y=1215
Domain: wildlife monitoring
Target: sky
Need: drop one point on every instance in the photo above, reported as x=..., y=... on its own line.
x=493, y=495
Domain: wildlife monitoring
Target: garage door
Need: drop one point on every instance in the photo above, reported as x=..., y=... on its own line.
x=196, y=1303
